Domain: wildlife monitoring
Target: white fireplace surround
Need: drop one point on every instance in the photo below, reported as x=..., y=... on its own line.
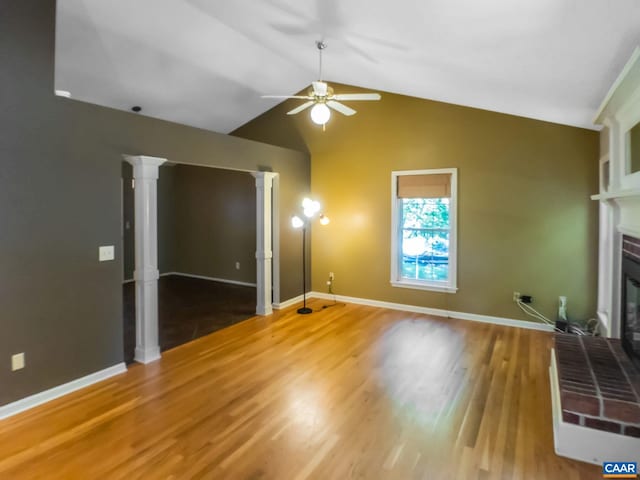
x=619, y=195
x=619, y=206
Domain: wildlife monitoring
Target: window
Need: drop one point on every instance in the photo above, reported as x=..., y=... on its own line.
x=423, y=223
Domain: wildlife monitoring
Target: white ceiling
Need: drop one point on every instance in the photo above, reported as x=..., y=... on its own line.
x=206, y=62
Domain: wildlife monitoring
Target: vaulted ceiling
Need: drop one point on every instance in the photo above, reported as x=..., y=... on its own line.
x=206, y=63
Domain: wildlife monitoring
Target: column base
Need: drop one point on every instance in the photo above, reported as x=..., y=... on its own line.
x=264, y=310
x=146, y=355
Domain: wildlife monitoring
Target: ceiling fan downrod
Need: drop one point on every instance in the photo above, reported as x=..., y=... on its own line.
x=321, y=46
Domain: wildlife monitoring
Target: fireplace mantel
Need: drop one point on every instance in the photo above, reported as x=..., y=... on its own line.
x=627, y=203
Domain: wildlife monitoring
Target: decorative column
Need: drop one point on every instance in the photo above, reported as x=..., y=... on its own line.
x=146, y=274
x=264, y=253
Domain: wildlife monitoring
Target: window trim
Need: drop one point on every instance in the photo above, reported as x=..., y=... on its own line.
x=450, y=286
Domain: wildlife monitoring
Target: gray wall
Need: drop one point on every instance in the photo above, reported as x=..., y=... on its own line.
x=166, y=219
x=128, y=220
x=215, y=223
x=60, y=198
x=206, y=222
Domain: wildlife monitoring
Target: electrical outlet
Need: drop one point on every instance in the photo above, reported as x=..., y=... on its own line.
x=516, y=296
x=17, y=361
x=331, y=276
x=237, y=265
x=562, y=308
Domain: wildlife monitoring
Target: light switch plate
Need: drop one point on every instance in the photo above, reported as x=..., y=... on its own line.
x=17, y=361
x=106, y=253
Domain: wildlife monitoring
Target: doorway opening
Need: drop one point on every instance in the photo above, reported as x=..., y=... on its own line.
x=207, y=253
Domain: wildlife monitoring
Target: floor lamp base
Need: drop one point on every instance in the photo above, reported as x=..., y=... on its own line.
x=304, y=310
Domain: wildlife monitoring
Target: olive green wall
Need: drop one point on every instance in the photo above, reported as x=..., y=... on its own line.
x=526, y=222
x=61, y=198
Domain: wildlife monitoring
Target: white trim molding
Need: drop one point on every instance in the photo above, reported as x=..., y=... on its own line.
x=421, y=286
x=51, y=394
x=211, y=279
x=583, y=443
x=288, y=303
x=474, y=317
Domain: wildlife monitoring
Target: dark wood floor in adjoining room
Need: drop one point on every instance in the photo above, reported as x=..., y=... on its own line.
x=346, y=392
x=189, y=308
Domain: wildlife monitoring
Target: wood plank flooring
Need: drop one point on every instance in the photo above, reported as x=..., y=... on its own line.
x=188, y=308
x=346, y=392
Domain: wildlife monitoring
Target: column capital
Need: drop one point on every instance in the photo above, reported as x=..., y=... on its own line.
x=144, y=167
x=264, y=178
x=144, y=160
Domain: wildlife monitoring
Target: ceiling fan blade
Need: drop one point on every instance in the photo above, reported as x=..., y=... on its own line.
x=287, y=96
x=339, y=107
x=357, y=96
x=320, y=88
x=300, y=108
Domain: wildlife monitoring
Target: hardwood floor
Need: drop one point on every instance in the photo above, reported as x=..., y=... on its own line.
x=188, y=308
x=347, y=392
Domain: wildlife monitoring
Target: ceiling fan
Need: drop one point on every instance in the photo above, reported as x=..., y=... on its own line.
x=322, y=98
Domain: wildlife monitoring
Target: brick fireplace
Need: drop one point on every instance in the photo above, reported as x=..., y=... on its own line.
x=595, y=385
x=599, y=386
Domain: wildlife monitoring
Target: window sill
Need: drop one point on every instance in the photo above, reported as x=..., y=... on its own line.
x=424, y=286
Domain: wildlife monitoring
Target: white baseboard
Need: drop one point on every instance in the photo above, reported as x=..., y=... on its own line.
x=55, y=392
x=583, y=443
x=288, y=303
x=213, y=279
x=509, y=322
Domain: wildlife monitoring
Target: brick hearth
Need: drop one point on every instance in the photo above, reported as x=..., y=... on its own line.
x=599, y=386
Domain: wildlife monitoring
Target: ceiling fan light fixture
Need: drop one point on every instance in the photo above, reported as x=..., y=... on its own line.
x=320, y=114
x=321, y=98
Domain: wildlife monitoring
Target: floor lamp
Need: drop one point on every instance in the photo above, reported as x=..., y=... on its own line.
x=310, y=209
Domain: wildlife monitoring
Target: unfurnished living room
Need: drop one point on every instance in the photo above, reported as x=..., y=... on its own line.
x=319, y=239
